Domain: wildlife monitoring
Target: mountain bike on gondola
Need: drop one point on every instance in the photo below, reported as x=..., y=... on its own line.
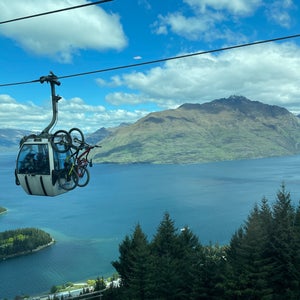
x=75, y=171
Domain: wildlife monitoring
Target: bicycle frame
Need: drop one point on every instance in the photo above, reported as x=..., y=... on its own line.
x=82, y=159
x=68, y=177
x=77, y=169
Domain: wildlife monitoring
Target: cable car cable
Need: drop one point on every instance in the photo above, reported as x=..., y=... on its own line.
x=54, y=11
x=161, y=60
x=180, y=56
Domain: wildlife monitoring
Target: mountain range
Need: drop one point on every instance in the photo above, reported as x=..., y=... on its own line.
x=224, y=129
x=10, y=138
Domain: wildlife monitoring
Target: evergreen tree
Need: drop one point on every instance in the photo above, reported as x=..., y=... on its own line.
x=284, y=277
x=255, y=256
x=134, y=265
x=165, y=250
x=249, y=257
x=208, y=283
x=139, y=283
x=124, y=264
x=232, y=284
x=297, y=238
x=189, y=247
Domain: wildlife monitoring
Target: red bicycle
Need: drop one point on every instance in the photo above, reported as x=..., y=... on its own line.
x=82, y=162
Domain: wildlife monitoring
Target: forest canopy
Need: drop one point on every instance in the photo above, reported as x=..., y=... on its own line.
x=2, y=210
x=22, y=241
x=262, y=260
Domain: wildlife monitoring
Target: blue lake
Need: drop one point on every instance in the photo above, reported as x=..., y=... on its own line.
x=89, y=223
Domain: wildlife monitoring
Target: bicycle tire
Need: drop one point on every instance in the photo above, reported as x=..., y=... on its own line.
x=61, y=141
x=77, y=137
x=83, y=176
x=68, y=182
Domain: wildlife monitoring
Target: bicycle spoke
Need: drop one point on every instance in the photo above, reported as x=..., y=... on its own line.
x=61, y=141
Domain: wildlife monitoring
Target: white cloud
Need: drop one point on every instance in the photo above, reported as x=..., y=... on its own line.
x=118, y=98
x=63, y=34
x=115, y=81
x=18, y=115
x=71, y=113
x=235, y=7
x=190, y=27
x=209, y=20
x=278, y=12
x=268, y=73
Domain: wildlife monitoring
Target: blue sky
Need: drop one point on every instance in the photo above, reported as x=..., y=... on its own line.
x=125, y=32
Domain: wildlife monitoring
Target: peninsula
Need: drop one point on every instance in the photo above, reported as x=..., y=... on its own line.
x=2, y=210
x=23, y=241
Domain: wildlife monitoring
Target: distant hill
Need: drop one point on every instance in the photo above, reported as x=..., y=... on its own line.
x=97, y=136
x=224, y=129
x=10, y=138
x=102, y=133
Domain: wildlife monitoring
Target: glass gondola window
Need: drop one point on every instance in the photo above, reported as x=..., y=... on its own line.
x=34, y=159
x=60, y=159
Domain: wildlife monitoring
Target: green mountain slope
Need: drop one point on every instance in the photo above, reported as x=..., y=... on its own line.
x=224, y=129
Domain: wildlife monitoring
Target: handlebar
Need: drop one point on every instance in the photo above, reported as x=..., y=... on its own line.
x=85, y=145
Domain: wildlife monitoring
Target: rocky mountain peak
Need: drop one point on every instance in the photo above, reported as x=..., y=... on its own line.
x=240, y=104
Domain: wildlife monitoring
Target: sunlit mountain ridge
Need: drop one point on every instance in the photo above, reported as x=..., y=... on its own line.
x=225, y=129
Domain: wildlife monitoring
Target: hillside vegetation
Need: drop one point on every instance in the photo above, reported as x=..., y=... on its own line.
x=22, y=241
x=260, y=262
x=2, y=210
x=224, y=129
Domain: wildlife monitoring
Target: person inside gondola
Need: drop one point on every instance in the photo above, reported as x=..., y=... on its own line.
x=33, y=159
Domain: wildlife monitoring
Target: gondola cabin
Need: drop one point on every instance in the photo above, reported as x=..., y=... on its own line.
x=37, y=167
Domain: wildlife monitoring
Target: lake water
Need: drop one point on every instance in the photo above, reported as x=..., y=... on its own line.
x=213, y=199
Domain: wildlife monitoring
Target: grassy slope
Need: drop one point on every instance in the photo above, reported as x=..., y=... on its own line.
x=220, y=130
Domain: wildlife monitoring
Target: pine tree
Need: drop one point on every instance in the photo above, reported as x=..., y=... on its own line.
x=296, y=251
x=189, y=247
x=249, y=257
x=139, y=283
x=124, y=264
x=284, y=277
x=165, y=250
x=255, y=255
x=134, y=265
x=232, y=283
x=208, y=283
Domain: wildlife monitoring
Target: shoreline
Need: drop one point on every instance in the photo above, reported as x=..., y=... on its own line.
x=3, y=211
x=29, y=251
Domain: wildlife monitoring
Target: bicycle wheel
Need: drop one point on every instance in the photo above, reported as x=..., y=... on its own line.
x=68, y=182
x=61, y=141
x=83, y=176
x=77, y=137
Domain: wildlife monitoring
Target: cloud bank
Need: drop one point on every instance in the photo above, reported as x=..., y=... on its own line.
x=61, y=35
x=267, y=73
